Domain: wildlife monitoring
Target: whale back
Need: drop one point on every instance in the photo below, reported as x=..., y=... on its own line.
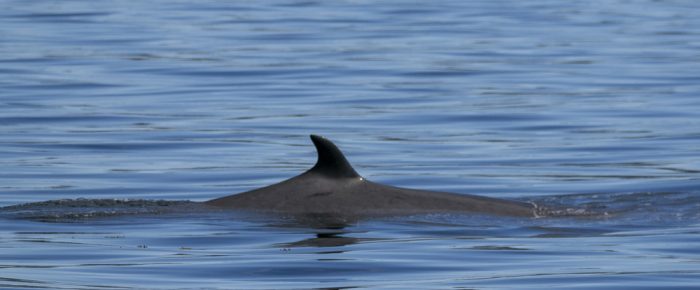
x=333, y=188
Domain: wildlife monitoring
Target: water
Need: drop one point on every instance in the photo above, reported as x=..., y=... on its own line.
x=588, y=104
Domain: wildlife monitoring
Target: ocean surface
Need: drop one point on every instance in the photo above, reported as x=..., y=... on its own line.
x=116, y=117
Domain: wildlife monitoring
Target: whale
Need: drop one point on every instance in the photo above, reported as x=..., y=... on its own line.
x=332, y=188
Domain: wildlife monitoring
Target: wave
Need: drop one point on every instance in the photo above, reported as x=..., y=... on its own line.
x=68, y=210
x=665, y=207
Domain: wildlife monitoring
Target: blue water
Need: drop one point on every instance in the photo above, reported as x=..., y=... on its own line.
x=591, y=105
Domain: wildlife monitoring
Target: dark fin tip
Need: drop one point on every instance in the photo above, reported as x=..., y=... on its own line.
x=331, y=161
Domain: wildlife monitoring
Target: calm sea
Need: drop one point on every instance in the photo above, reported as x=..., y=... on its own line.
x=587, y=105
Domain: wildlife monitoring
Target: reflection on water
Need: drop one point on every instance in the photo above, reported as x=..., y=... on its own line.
x=323, y=240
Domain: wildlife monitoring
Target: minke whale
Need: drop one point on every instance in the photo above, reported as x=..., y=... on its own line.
x=333, y=188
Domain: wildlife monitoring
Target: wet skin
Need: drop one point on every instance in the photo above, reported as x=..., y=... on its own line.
x=332, y=188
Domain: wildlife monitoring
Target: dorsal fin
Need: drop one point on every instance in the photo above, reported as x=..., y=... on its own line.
x=331, y=161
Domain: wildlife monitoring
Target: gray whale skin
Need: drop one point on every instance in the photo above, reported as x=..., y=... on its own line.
x=333, y=188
